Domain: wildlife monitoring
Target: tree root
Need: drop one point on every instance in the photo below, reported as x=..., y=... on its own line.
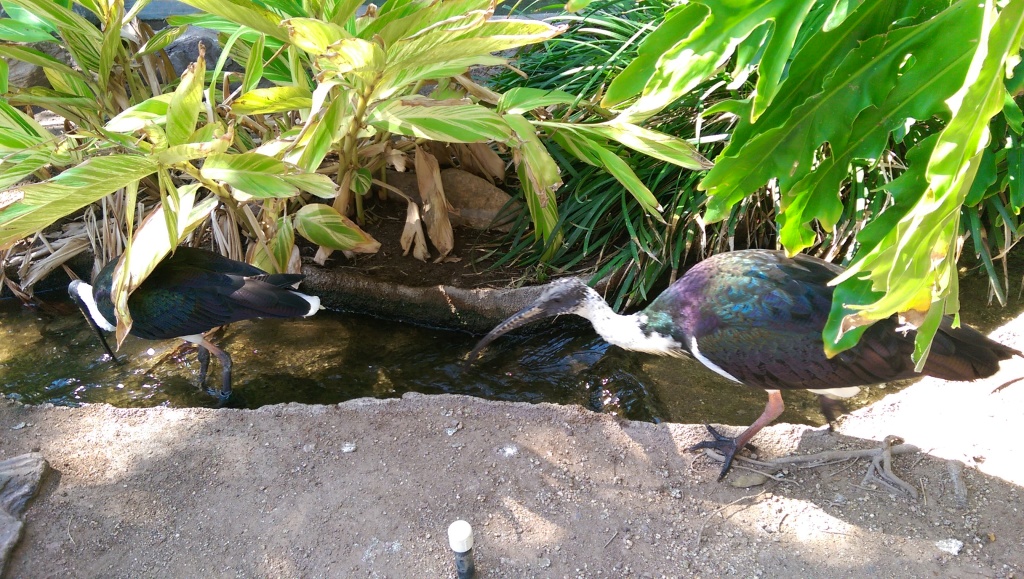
x=880, y=469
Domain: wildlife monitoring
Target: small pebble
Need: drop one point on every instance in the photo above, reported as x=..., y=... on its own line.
x=348, y=447
x=951, y=546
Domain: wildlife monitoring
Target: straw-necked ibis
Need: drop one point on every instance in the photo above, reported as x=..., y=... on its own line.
x=190, y=292
x=756, y=317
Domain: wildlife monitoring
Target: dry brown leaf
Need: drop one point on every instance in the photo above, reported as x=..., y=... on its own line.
x=412, y=234
x=435, y=206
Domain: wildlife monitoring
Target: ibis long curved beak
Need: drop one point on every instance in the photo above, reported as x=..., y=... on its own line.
x=74, y=290
x=530, y=313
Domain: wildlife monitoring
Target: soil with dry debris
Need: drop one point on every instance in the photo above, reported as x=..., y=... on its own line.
x=369, y=487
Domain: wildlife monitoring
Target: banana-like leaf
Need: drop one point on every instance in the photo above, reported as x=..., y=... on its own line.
x=160, y=40
x=424, y=118
x=519, y=100
x=276, y=99
x=352, y=55
x=152, y=111
x=82, y=39
x=312, y=35
x=183, y=109
x=538, y=173
x=280, y=246
x=36, y=57
x=592, y=152
x=320, y=133
x=19, y=131
x=150, y=244
x=13, y=31
x=196, y=148
x=324, y=226
x=253, y=66
x=454, y=14
x=43, y=203
x=260, y=176
x=652, y=143
x=396, y=79
x=242, y=12
x=438, y=46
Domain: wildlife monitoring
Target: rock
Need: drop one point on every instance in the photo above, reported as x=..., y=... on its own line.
x=745, y=480
x=185, y=49
x=951, y=546
x=476, y=203
x=25, y=75
x=20, y=478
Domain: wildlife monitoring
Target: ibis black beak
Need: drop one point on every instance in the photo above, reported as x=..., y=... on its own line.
x=524, y=316
x=73, y=291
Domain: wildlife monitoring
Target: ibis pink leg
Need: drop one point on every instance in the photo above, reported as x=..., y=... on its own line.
x=728, y=446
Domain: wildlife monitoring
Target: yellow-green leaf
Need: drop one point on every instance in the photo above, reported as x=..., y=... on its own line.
x=276, y=99
x=324, y=226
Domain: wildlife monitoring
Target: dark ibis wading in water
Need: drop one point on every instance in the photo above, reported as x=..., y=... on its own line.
x=756, y=317
x=189, y=293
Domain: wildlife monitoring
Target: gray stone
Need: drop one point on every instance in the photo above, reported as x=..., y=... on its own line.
x=185, y=49
x=24, y=75
x=20, y=478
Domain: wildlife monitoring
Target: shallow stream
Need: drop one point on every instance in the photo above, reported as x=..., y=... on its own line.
x=54, y=356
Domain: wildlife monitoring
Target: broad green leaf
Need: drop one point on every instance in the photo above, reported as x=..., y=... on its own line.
x=699, y=55
x=14, y=31
x=423, y=118
x=782, y=143
x=397, y=79
x=676, y=27
x=43, y=203
x=81, y=38
x=280, y=245
x=324, y=226
x=450, y=15
x=69, y=84
x=261, y=176
x=246, y=13
x=519, y=100
x=196, y=149
x=312, y=35
x=912, y=266
x=19, y=131
x=439, y=46
x=253, y=66
x=160, y=40
x=110, y=46
x=150, y=111
x=277, y=99
x=183, y=109
x=36, y=57
x=152, y=242
x=319, y=134
x=352, y=55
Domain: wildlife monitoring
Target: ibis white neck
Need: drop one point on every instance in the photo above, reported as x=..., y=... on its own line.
x=627, y=332
x=84, y=292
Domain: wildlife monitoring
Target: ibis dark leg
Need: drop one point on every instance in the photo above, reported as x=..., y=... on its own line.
x=832, y=409
x=204, y=364
x=205, y=349
x=728, y=446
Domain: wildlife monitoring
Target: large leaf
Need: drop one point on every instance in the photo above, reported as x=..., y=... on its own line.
x=312, y=35
x=247, y=13
x=539, y=176
x=82, y=39
x=41, y=204
x=183, y=109
x=913, y=264
x=652, y=143
x=782, y=144
x=324, y=226
x=260, y=176
x=428, y=119
x=276, y=99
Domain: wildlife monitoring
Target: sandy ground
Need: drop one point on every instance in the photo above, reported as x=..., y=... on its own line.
x=367, y=489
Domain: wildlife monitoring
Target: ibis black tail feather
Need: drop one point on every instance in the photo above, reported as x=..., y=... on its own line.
x=965, y=354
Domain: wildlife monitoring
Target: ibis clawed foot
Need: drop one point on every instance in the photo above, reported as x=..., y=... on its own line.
x=755, y=317
x=192, y=292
